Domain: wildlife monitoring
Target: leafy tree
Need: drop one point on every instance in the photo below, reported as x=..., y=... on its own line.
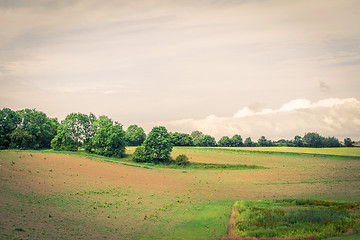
x=9, y=121
x=158, y=145
x=263, y=142
x=298, y=142
x=140, y=155
x=181, y=139
x=62, y=141
x=348, y=142
x=237, y=141
x=248, y=142
x=332, y=142
x=314, y=140
x=109, y=139
x=182, y=160
x=206, y=141
x=196, y=135
x=225, y=142
x=80, y=127
x=134, y=135
x=21, y=139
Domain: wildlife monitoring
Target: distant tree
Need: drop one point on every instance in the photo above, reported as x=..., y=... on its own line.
x=9, y=121
x=298, y=142
x=314, y=140
x=158, y=145
x=181, y=139
x=348, y=142
x=196, y=135
x=248, y=142
x=207, y=141
x=237, y=141
x=62, y=141
x=263, y=142
x=21, y=139
x=225, y=142
x=332, y=142
x=134, y=135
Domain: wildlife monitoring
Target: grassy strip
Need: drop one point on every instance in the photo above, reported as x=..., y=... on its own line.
x=279, y=151
x=296, y=218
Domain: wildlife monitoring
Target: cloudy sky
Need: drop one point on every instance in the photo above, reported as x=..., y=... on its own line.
x=250, y=67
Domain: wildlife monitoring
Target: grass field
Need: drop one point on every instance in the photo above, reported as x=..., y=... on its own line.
x=47, y=195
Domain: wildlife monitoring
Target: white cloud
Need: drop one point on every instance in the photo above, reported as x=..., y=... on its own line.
x=329, y=117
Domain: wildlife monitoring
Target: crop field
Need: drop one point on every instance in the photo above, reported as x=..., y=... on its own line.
x=60, y=195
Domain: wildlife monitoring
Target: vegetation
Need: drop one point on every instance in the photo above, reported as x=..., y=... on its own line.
x=182, y=160
x=156, y=147
x=296, y=218
x=134, y=136
x=181, y=139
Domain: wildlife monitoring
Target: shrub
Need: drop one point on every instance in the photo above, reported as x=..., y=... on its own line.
x=140, y=155
x=182, y=160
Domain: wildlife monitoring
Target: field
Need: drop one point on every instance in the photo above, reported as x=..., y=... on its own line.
x=50, y=195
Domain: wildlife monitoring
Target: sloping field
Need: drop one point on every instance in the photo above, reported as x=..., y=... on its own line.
x=343, y=151
x=45, y=195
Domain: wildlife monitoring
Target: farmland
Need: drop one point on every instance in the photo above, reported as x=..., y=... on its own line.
x=47, y=194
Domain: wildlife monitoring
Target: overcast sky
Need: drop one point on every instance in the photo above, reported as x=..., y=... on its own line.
x=275, y=68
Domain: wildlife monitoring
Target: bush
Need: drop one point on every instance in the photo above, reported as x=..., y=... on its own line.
x=182, y=160
x=140, y=155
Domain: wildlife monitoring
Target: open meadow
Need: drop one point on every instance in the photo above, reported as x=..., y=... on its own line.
x=65, y=195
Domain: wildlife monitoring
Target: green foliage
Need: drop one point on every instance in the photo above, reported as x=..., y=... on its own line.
x=134, y=136
x=62, y=141
x=9, y=121
x=237, y=141
x=196, y=135
x=140, y=155
x=294, y=218
x=182, y=160
x=298, y=142
x=206, y=141
x=26, y=129
x=181, y=139
x=225, y=142
x=158, y=145
x=348, y=142
x=263, y=142
x=248, y=142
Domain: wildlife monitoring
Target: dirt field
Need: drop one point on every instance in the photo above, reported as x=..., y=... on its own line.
x=52, y=195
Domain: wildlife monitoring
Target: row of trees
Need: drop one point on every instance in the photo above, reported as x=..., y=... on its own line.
x=32, y=129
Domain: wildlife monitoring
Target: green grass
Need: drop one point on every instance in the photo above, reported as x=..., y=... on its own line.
x=296, y=218
x=343, y=151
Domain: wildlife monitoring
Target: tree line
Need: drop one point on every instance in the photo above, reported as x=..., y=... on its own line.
x=32, y=129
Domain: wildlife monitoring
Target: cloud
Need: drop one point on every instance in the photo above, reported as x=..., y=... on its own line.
x=329, y=117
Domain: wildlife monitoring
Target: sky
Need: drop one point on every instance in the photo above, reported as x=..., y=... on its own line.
x=250, y=67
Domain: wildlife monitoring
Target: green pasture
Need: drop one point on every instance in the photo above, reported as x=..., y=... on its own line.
x=71, y=195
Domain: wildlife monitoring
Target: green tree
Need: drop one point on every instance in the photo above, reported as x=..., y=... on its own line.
x=181, y=139
x=196, y=135
x=158, y=145
x=62, y=141
x=314, y=140
x=140, y=155
x=109, y=138
x=263, y=142
x=248, y=142
x=182, y=160
x=348, y=142
x=9, y=121
x=298, y=142
x=225, y=142
x=237, y=141
x=134, y=135
x=332, y=142
x=21, y=139
x=207, y=141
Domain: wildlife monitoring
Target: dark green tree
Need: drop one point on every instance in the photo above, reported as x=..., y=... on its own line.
x=62, y=141
x=314, y=140
x=348, y=142
x=158, y=145
x=21, y=139
x=248, y=142
x=237, y=141
x=9, y=121
x=263, y=142
x=225, y=142
x=181, y=139
x=207, y=141
x=298, y=142
x=332, y=142
x=134, y=135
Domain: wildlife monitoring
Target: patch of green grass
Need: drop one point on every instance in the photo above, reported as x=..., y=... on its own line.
x=296, y=218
